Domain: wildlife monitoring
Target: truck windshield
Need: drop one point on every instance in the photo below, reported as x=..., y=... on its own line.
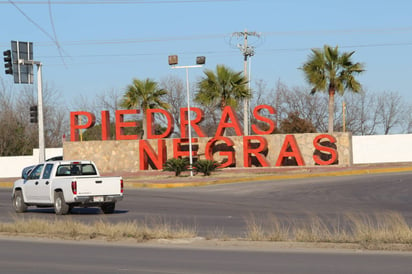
x=76, y=169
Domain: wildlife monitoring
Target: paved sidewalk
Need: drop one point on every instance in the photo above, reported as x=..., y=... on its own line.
x=159, y=179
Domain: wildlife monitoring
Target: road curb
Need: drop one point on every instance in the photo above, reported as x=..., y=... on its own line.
x=6, y=184
x=267, y=177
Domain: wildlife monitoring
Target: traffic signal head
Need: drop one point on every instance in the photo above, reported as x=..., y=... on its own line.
x=8, y=65
x=33, y=114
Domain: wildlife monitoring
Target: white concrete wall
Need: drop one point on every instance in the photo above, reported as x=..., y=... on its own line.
x=366, y=150
x=382, y=148
x=12, y=166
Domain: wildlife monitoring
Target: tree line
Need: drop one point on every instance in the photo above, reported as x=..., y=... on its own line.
x=312, y=108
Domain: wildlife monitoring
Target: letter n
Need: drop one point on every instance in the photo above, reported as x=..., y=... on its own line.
x=146, y=154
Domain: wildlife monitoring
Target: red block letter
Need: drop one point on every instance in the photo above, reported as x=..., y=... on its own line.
x=146, y=152
x=75, y=126
x=120, y=124
x=105, y=125
x=177, y=152
x=193, y=123
x=229, y=153
x=258, y=117
x=228, y=113
x=333, y=153
x=150, y=123
x=290, y=142
x=248, y=150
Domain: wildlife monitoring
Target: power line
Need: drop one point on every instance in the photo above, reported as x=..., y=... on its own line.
x=338, y=31
x=223, y=35
x=375, y=45
x=227, y=52
x=30, y=20
x=116, y=2
x=147, y=40
x=54, y=39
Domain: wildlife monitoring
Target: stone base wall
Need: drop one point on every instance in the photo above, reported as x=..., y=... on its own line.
x=123, y=156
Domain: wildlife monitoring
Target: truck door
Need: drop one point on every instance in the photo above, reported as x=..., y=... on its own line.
x=31, y=187
x=45, y=184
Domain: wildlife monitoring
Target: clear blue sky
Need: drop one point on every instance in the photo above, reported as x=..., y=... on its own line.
x=105, y=44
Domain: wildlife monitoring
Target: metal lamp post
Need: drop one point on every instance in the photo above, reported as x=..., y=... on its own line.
x=200, y=61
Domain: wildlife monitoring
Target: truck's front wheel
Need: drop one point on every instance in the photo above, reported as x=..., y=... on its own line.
x=108, y=208
x=18, y=202
x=60, y=206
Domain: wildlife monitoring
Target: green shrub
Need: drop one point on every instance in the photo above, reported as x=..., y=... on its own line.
x=177, y=165
x=205, y=166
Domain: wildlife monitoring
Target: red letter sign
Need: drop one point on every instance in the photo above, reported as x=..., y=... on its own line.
x=120, y=124
x=193, y=123
x=180, y=153
x=150, y=122
x=248, y=150
x=229, y=153
x=333, y=153
x=105, y=125
x=75, y=126
x=290, y=142
x=146, y=152
x=258, y=117
x=228, y=113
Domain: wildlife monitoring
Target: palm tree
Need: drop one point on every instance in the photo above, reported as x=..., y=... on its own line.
x=329, y=71
x=223, y=88
x=145, y=94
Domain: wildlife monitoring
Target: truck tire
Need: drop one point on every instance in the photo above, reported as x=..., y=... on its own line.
x=18, y=202
x=60, y=206
x=108, y=208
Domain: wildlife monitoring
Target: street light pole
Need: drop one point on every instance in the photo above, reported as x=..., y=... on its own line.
x=42, y=146
x=173, y=62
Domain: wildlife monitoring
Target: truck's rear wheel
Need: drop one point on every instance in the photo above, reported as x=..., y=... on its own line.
x=108, y=208
x=18, y=202
x=60, y=206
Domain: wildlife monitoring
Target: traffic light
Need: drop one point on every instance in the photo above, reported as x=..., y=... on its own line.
x=33, y=114
x=8, y=65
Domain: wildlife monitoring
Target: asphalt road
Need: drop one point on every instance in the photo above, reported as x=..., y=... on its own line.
x=56, y=257
x=224, y=209
x=221, y=209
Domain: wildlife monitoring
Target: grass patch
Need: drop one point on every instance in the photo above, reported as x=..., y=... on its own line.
x=378, y=231
x=154, y=228
x=370, y=232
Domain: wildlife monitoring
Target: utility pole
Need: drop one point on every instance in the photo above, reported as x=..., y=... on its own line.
x=247, y=51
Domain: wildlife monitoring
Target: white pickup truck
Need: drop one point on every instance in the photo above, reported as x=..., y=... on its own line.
x=64, y=185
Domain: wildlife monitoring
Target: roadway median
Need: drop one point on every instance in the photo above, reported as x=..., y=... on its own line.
x=159, y=179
